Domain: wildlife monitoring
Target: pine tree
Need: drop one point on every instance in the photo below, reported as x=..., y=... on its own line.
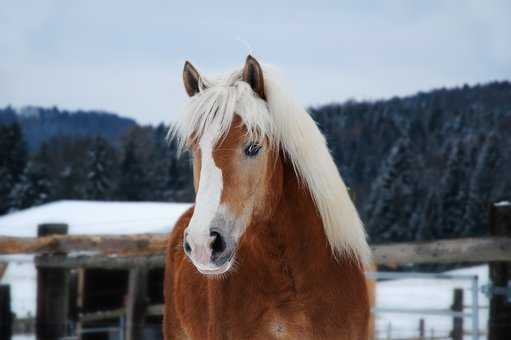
x=395, y=197
x=429, y=217
x=13, y=153
x=33, y=188
x=6, y=185
x=12, y=162
x=453, y=195
x=100, y=166
x=133, y=181
x=483, y=187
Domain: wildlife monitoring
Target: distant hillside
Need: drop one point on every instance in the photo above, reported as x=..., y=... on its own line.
x=41, y=124
x=427, y=165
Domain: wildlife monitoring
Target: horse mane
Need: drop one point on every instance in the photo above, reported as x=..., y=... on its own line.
x=287, y=127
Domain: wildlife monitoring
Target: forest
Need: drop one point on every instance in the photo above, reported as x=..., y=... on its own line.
x=421, y=167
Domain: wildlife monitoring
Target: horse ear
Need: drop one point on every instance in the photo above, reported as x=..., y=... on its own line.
x=253, y=75
x=191, y=79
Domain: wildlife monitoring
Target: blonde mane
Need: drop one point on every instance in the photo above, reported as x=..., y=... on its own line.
x=289, y=128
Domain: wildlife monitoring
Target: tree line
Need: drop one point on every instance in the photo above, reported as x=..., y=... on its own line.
x=145, y=167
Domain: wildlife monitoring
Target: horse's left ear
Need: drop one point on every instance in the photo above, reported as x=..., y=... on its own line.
x=253, y=75
x=191, y=79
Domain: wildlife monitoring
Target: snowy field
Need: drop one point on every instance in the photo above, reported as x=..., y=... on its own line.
x=428, y=294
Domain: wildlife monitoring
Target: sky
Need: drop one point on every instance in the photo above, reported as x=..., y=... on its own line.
x=127, y=56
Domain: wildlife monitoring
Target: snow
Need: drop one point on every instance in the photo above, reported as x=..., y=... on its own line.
x=93, y=217
x=427, y=294
x=83, y=217
x=23, y=337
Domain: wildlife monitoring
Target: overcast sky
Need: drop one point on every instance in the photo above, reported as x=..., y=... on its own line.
x=126, y=56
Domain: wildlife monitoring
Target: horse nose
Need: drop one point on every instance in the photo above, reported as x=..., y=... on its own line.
x=220, y=250
x=215, y=250
x=186, y=245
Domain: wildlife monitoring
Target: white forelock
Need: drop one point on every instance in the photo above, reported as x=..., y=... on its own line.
x=289, y=128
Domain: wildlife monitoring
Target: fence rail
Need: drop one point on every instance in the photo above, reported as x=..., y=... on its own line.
x=107, y=251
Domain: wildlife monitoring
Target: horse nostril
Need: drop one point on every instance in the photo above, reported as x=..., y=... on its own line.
x=187, y=247
x=218, y=246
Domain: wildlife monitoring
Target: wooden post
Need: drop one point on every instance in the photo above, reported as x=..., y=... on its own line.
x=136, y=303
x=422, y=329
x=79, y=301
x=457, y=321
x=52, y=293
x=499, y=321
x=5, y=313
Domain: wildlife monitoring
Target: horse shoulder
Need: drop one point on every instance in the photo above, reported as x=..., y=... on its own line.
x=174, y=255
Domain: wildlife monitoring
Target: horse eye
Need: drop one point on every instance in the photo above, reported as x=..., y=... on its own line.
x=252, y=149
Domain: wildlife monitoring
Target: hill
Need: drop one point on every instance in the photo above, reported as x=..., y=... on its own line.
x=41, y=124
x=427, y=165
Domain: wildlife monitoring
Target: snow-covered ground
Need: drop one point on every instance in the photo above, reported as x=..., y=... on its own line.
x=427, y=294
x=91, y=217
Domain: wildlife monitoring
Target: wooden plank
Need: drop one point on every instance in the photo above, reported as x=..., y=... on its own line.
x=136, y=304
x=102, y=261
x=444, y=251
x=105, y=244
x=102, y=315
x=152, y=310
x=3, y=268
x=470, y=250
x=499, y=323
x=80, y=301
x=141, y=246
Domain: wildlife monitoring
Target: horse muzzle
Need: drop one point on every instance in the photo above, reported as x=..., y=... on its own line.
x=211, y=254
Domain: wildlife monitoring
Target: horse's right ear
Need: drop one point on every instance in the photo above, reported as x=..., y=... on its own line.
x=191, y=79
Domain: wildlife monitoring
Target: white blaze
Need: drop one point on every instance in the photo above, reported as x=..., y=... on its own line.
x=207, y=200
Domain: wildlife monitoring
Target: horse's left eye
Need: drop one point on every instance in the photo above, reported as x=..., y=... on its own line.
x=252, y=149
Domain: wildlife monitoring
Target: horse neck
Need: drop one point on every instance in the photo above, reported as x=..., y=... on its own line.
x=296, y=228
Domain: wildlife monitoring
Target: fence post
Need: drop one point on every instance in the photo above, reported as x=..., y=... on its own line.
x=5, y=313
x=136, y=303
x=457, y=321
x=52, y=293
x=422, y=329
x=499, y=321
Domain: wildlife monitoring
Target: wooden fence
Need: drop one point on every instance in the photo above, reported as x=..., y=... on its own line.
x=57, y=253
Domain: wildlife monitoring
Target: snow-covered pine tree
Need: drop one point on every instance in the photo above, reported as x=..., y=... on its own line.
x=453, y=195
x=33, y=188
x=483, y=188
x=396, y=193
x=429, y=217
x=100, y=167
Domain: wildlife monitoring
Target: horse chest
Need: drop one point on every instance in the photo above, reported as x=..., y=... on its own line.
x=244, y=307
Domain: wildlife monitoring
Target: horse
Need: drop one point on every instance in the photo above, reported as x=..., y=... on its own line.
x=273, y=247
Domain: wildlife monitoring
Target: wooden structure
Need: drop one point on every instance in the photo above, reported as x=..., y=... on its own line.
x=52, y=292
x=129, y=268
x=113, y=252
x=5, y=313
x=457, y=306
x=499, y=327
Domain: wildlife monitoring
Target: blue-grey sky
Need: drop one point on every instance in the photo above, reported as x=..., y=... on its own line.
x=126, y=56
